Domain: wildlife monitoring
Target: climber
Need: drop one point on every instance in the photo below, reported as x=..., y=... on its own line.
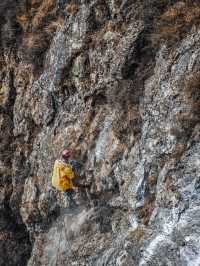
x=64, y=173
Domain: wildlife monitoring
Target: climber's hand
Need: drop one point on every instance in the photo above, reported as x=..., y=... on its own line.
x=76, y=181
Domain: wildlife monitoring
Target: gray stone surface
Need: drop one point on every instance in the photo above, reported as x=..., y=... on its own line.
x=88, y=76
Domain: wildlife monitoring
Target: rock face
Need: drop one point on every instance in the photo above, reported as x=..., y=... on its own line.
x=119, y=83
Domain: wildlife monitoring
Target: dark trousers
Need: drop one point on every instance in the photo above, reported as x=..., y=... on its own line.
x=69, y=194
x=61, y=4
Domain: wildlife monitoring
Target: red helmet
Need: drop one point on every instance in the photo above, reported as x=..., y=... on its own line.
x=66, y=153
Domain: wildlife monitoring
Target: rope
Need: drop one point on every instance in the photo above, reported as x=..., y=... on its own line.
x=63, y=225
x=58, y=250
x=68, y=242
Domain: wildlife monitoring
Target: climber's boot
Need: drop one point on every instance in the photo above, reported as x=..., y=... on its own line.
x=73, y=204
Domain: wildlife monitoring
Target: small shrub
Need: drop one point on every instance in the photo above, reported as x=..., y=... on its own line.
x=175, y=132
x=168, y=183
x=3, y=91
x=190, y=117
x=53, y=25
x=35, y=41
x=3, y=236
x=138, y=234
x=46, y=8
x=110, y=26
x=193, y=87
x=35, y=13
x=178, y=151
x=152, y=180
x=72, y=8
x=144, y=213
x=23, y=21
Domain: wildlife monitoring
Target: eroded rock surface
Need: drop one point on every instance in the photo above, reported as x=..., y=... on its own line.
x=105, y=79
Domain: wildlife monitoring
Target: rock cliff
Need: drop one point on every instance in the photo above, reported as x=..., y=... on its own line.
x=119, y=83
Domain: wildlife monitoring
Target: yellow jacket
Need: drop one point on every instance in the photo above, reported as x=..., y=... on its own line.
x=62, y=176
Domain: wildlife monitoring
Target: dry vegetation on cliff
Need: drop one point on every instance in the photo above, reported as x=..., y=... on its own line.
x=177, y=20
x=191, y=116
x=38, y=21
